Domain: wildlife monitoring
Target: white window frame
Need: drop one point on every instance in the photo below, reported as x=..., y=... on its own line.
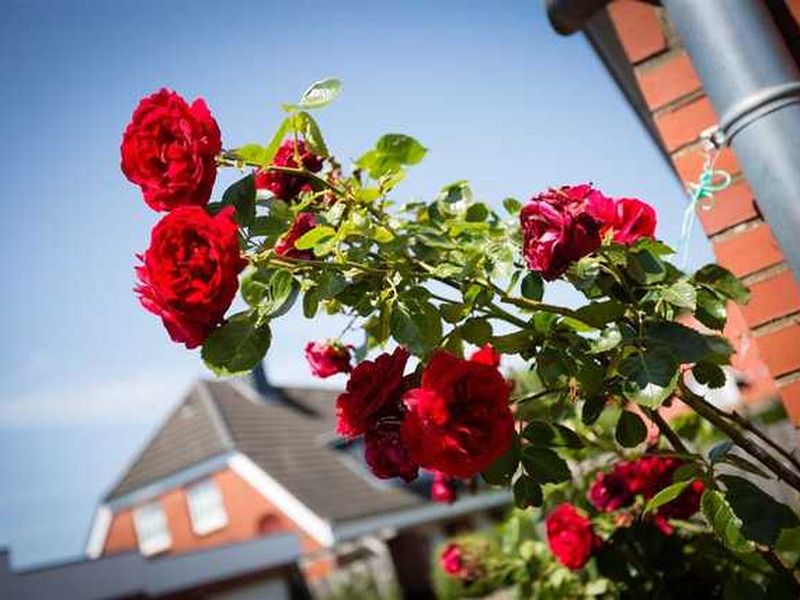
x=206, y=507
x=152, y=528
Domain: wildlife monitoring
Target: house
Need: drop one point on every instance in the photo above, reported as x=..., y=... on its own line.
x=233, y=463
x=679, y=63
x=264, y=568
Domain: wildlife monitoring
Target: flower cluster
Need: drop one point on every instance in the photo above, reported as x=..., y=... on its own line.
x=562, y=225
x=645, y=476
x=456, y=420
x=571, y=536
x=286, y=185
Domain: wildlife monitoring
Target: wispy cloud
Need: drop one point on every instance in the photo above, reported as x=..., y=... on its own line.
x=127, y=399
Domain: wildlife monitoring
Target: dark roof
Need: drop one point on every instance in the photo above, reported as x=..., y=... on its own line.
x=131, y=575
x=289, y=435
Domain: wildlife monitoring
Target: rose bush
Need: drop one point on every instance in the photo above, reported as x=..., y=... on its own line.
x=455, y=277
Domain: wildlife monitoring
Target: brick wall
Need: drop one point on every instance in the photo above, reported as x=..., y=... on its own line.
x=767, y=330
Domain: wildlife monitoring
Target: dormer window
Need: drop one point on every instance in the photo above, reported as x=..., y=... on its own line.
x=152, y=529
x=206, y=507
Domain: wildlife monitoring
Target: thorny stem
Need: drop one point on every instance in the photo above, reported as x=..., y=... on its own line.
x=744, y=423
x=709, y=413
x=667, y=431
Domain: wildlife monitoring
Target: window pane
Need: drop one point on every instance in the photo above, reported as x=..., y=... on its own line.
x=151, y=527
x=206, y=507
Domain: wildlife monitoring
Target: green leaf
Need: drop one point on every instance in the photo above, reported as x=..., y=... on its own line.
x=601, y=313
x=724, y=282
x=527, y=492
x=631, y=430
x=709, y=374
x=762, y=516
x=476, y=331
x=305, y=125
x=310, y=303
x=242, y=195
x=532, y=286
x=277, y=139
x=668, y=494
x=316, y=236
x=545, y=465
x=382, y=235
x=686, y=345
x=681, y=294
x=650, y=376
x=720, y=450
x=513, y=343
x=321, y=93
x=710, y=310
x=721, y=518
x=237, y=346
x=330, y=284
x=416, y=325
x=502, y=470
x=391, y=153
x=592, y=408
x=543, y=434
x=745, y=464
x=609, y=338
x=272, y=292
x=645, y=267
x=512, y=205
x=253, y=153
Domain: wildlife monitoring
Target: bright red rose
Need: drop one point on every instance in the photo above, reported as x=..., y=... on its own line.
x=385, y=450
x=443, y=489
x=451, y=560
x=287, y=186
x=459, y=420
x=169, y=149
x=557, y=229
x=303, y=223
x=634, y=220
x=374, y=387
x=571, y=537
x=326, y=358
x=486, y=355
x=188, y=275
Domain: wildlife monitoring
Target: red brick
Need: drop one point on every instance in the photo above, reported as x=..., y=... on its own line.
x=772, y=298
x=685, y=124
x=794, y=8
x=728, y=208
x=790, y=394
x=780, y=349
x=639, y=29
x=689, y=163
x=749, y=251
x=668, y=81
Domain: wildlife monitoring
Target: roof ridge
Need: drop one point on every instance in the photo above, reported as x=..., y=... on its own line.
x=218, y=420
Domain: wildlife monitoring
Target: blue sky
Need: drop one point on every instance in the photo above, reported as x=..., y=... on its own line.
x=494, y=94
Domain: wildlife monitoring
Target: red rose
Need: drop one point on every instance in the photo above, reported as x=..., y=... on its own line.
x=557, y=229
x=169, y=149
x=451, y=560
x=385, y=450
x=287, y=186
x=486, y=355
x=326, y=359
x=571, y=537
x=634, y=220
x=188, y=275
x=374, y=387
x=443, y=489
x=303, y=223
x=459, y=420
x=612, y=491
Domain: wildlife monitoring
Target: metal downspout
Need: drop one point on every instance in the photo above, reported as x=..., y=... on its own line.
x=754, y=85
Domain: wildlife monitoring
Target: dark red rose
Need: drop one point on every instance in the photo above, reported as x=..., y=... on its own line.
x=557, y=229
x=451, y=560
x=374, y=387
x=385, y=450
x=486, y=355
x=682, y=507
x=571, y=537
x=303, y=223
x=634, y=220
x=612, y=491
x=288, y=186
x=188, y=275
x=328, y=358
x=443, y=488
x=458, y=420
x=169, y=149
